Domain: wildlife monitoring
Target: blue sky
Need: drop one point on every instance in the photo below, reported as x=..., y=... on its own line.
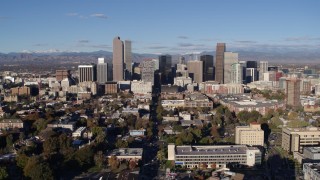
x=154, y=26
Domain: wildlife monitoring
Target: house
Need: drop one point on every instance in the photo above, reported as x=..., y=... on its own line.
x=11, y=124
x=140, y=132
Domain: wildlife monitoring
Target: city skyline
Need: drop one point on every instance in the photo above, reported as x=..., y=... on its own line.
x=85, y=27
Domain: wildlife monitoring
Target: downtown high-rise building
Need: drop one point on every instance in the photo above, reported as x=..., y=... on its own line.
x=221, y=48
x=252, y=64
x=229, y=59
x=236, y=73
x=102, y=71
x=208, y=67
x=251, y=75
x=165, y=69
x=263, y=69
x=117, y=60
x=87, y=73
x=148, y=68
x=293, y=92
x=181, y=69
x=195, y=70
x=127, y=60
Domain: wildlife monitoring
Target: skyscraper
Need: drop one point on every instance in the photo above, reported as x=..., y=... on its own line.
x=148, y=68
x=208, y=67
x=195, y=69
x=127, y=60
x=263, y=69
x=252, y=64
x=102, y=71
x=221, y=48
x=251, y=75
x=87, y=73
x=165, y=69
x=117, y=59
x=293, y=92
x=229, y=59
x=236, y=73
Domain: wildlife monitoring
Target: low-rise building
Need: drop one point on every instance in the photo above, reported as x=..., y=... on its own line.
x=251, y=135
x=11, y=124
x=140, y=87
x=127, y=153
x=78, y=132
x=213, y=156
x=295, y=139
x=311, y=171
x=140, y=132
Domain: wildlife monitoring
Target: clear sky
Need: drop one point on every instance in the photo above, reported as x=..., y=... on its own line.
x=159, y=26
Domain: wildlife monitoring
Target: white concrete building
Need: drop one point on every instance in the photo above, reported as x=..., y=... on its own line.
x=230, y=58
x=140, y=87
x=213, y=156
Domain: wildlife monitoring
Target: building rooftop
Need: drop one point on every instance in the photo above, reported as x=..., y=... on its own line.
x=126, y=152
x=208, y=150
x=312, y=149
x=315, y=167
x=304, y=129
x=11, y=121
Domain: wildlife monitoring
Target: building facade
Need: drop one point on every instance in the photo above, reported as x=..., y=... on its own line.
x=293, y=92
x=208, y=67
x=87, y=73
x=221, y=48
x=230, y=58
x=213, y=156
x=127, y=60
x=117, y=60
x=295, y=139
x=195, y=70
x=102, y=71
x=236, y=73
x=251, y=135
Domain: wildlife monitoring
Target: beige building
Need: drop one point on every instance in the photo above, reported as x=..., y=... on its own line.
x=117, y=59
x=11, y=124
x=195, y=69
x=295, y=139
x=251, y=135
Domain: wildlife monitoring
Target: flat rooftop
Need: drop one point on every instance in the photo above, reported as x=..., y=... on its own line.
x=126, y=152
x=210, y=150
x=313, y=149
x=315, y=167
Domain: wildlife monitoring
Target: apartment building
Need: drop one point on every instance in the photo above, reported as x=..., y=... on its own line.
x=251, y=135
x=295, y=139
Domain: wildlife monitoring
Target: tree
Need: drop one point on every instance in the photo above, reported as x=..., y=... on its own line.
x=178, y=141
x=37, y=169
x=99, y=159
x=206, y=141
x=161, y=155
x=132, y=164
x=84, y=157
x=121, y=143
x=9, y=141
x=113, y=162
x=21, y=159
x=3, y=173
x=297, y=124
x=50, y=146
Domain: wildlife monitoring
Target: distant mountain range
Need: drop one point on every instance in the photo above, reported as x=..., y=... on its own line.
x=272, y=57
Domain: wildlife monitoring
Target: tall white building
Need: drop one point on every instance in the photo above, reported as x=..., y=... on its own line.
x=263, y=69
x=102, y=71
x=148, y=68
x=127, y=60
x=236, y=73
x=229, y=59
